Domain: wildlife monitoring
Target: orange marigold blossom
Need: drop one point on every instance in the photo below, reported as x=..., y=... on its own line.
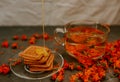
x=24, y=37
x=66, y=65
x=4, y=69
x=117, y=63
x=14, y=45
x=5, y=44
x=96, y=77
x=46, y=36
x=79, y=67
x=61, y=71
x=37, y=35
x=59, y=78
x=32, y=40
x=15, y=37
x=73, y=78
x=71, y=66
x=54, y=76
x=104, y=63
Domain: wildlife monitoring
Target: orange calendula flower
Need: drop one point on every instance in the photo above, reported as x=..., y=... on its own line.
x=73, y=78
x=96, y=78
x=71, y=66
x=5, y=44
x=117, y=64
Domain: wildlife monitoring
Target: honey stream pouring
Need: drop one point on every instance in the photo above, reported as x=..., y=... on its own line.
x=43, y=23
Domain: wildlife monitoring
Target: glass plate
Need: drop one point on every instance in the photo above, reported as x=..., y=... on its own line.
x=20, y=71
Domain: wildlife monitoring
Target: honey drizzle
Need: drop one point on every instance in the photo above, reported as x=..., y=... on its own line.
x=43, y=26
x=43, y=21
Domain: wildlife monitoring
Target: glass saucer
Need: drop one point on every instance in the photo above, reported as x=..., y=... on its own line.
x=20, y=71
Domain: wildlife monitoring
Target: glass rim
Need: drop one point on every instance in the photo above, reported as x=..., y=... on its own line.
x=107, y=26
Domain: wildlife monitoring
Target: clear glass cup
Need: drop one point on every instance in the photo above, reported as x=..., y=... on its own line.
x=83, y=39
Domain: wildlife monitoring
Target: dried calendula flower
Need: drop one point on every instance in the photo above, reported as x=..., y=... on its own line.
x=42, y=51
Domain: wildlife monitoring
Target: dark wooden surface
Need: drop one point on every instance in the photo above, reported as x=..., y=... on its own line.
x=7, y=32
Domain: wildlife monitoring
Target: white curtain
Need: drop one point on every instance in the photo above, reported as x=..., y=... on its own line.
x=105, y=11
x=58, y=12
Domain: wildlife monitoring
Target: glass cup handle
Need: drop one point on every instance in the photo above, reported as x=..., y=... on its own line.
x=59, y=39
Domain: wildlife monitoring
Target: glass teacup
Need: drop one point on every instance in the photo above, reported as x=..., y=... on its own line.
x=83, y=39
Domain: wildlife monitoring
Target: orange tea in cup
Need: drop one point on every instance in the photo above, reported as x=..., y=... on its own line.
x=83, y=39
x=86, y=41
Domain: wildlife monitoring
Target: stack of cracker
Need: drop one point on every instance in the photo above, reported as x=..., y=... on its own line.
x=38, y=58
